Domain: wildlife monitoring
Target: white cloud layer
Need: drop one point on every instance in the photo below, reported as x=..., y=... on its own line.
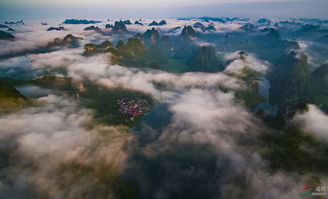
x=314, y=121
x=210, y=141
x=98, y=69
x=61, y=145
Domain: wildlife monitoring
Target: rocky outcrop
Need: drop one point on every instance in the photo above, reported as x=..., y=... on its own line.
x=94, y=28
x=248, y=27
x=320, y=78
x=174, y=30
x=291, y=81
x=6, y=36
x=133, y=53
x=127, y=22
x=10, y=97
x=138, y=23
x=154, y=23
x=166, y=45
x=151, y=35
x=119, y=27
x=209, y=28
x=264, y=21
x=161, y=23
x=21, y=22
x=92, y=49
x=3, y=26
x=68, y=41
x=199, y=25
x=188, y=33
x=120, y=44
x=60, y=28
x=109, y=26
x=272, y=33
x=205, y=60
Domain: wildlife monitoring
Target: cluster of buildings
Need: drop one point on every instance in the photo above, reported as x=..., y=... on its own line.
x=133, y=107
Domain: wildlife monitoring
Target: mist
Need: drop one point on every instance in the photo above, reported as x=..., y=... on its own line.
x=198, y=133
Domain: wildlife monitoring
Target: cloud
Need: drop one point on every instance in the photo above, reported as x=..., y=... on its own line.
x=33, y=36
x=226, y=27
x=58, y=152
x=315, y=51
x=18, y=67
x=208, y=143
x=98, y=69
x=216, y=109
x=249, y=61
x=314, y=121
x=208, y=150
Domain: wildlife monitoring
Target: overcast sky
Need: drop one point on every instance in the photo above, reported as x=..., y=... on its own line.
x=16, y=9
x=123, y=3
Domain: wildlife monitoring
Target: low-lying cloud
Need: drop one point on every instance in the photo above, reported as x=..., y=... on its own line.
x=99, y=70
x=314, y=121
x=57, y=152
x=208, y=149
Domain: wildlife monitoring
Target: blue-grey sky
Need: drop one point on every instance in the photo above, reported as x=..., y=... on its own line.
x=123, y=3
x=17, y=9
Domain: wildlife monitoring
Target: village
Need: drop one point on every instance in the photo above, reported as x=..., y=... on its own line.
x=133, y=107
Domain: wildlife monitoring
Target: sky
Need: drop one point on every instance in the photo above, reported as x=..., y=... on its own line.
x=141, y=3
x=17, y=9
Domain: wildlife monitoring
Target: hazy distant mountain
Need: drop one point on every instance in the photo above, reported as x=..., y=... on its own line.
x=272, y=33
x=198, y=25
x=161, y=23
x=109, y=26
x=138, y=23
x=201, y=26
x=127, y=22
x=264, y=21
x=20, y=22
x=248, y=27
x=207, y=19
x=80, y=21
x=209, y=28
